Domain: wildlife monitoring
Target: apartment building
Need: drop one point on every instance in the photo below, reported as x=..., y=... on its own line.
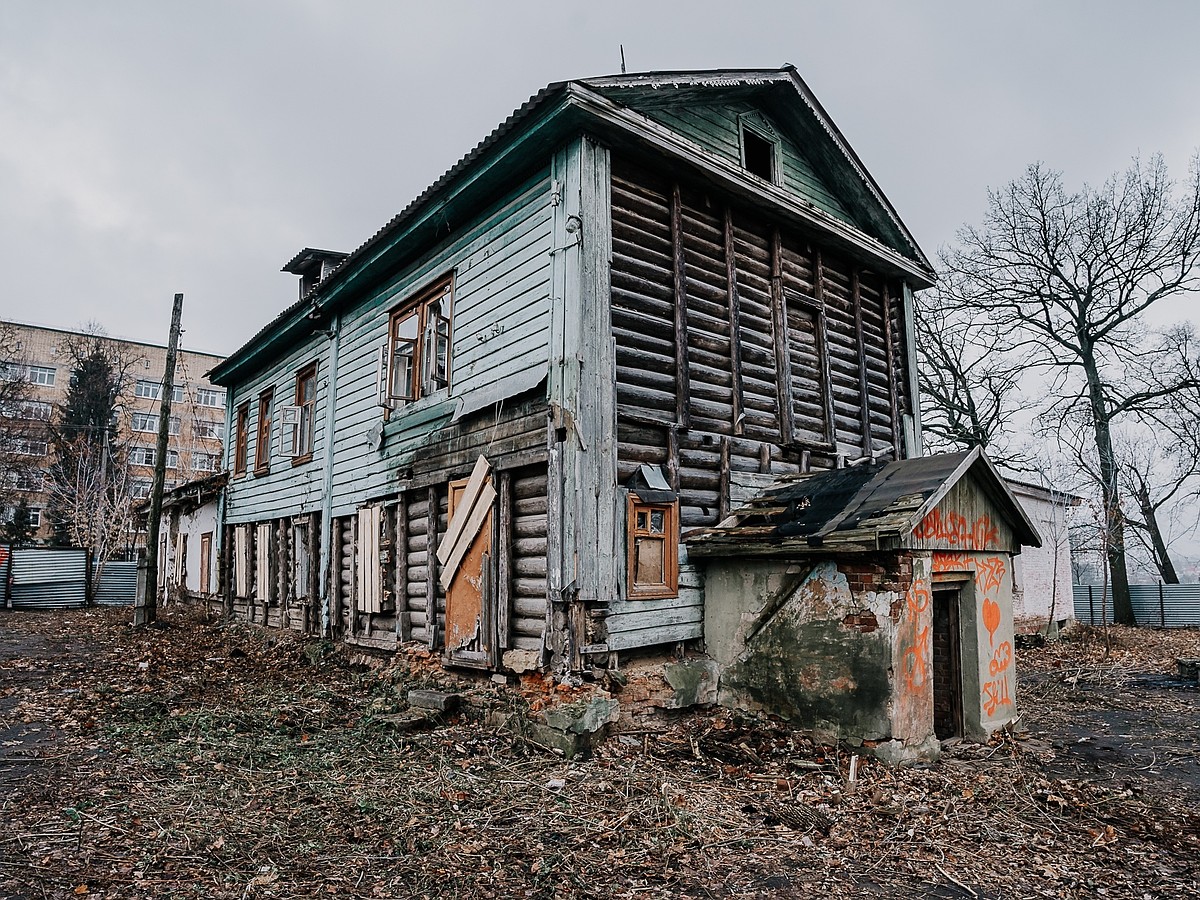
x=41, y=356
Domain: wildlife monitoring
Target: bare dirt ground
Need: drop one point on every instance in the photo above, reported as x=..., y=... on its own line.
x=201, y=760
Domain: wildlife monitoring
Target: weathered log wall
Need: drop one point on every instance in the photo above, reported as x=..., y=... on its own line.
x=741, y=346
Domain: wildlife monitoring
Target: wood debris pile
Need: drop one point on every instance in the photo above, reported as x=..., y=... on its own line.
x=217, y=761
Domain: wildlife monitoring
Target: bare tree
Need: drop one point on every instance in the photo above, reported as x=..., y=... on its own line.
x=1072, y=275
x=970, y=375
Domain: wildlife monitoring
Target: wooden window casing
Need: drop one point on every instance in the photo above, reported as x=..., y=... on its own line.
x=306, y=401
x=419, y=333
x=241, y=439
x=206, y=562
x=653, y=549
x=262, y=442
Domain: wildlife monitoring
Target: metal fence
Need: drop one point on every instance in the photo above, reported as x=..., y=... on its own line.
x=117, y=585
x=1157, y=605
x=38, y=578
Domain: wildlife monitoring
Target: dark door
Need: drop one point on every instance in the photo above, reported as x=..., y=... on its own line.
x=947, y=664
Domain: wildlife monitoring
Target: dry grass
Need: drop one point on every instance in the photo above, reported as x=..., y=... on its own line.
x=210, y=761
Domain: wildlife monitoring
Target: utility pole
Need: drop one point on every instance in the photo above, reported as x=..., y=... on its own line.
x=145, y=610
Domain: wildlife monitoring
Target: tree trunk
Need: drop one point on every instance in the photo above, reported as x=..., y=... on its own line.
x=1114, y=518
x=1162, y=559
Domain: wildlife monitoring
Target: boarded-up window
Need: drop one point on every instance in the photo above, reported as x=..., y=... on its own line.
x=241, y=560
x=262, y=566
x=300, y=559
x=807, y=369
x=205, y=562
x=653, y=530
x=370, y=573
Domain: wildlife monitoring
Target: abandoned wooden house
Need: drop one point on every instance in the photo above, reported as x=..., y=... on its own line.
x=491, y=428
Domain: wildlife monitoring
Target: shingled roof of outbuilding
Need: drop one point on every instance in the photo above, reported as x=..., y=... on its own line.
x=870, y=506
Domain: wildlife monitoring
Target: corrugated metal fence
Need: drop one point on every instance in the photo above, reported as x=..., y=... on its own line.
x=38, y=578
x=117, y=585
x=1161, y=605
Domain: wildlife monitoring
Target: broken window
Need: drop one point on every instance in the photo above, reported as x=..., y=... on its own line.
x=759, y=152
x=653, y=530
x=418, y=361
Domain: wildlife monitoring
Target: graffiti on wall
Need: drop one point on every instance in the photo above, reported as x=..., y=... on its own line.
x=954, y=529
x=917, y=648
x=990, y=572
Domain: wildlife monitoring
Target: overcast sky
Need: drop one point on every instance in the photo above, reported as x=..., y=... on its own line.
x=158, y=146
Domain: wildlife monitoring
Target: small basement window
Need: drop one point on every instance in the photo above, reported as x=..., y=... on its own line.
x=653, y=549
x=758, y=154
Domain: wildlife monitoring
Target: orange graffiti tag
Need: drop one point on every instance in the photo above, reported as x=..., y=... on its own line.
x=1001, y=659
x=995, y=692
x=956, y=531
x=991, y=619
x=918, y=598
x=995, y=695
x=989, y=573
x=916, y=670
x=951, y=562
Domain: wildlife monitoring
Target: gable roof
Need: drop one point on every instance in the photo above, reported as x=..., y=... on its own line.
x=872, y=506
x=540, y=124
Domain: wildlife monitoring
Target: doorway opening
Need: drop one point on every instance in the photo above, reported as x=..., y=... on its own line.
x=947, y=664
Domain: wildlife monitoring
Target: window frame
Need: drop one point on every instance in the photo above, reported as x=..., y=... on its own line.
x=422, y=382
x=306, y=427
x=241, y=448
x=669, y=537
x=262, y=432
x=762, y=132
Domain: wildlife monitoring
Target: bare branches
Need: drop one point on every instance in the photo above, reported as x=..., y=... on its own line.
x=1068, y=277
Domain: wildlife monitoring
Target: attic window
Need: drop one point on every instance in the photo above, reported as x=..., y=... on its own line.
x=758, y=153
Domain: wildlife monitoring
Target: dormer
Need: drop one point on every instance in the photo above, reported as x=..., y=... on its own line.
x=313, y=266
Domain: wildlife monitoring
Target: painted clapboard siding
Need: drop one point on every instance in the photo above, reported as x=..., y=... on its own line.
x=645, y=623
x=500, y=332
x=287, y=489
x=716, y=128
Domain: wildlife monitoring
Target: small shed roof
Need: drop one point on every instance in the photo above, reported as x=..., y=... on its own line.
x=874, y=506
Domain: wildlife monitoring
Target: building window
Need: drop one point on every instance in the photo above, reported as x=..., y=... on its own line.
x=35, y=518
x=148, y=390
x=262, y=437
x=26, y=480
x=139, y=489
x=205, y=462
x=43, y=375
x=172, y=459
x=30, y=447
x=760, y=151
x=147, y=422
x=211, y=431
x=209, y=397
x=173, y=425
x=28, y=410
x=419, y=344
x=241, y=439
x=142, y=456
x=178, y=392
x=306, y=402
x=653, y=530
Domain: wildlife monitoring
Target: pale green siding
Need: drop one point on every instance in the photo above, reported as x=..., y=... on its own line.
x=716, y=129
x=287, y=490
x=500, y=332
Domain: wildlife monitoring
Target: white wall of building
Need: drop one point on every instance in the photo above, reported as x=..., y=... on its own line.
x=1042, y=575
